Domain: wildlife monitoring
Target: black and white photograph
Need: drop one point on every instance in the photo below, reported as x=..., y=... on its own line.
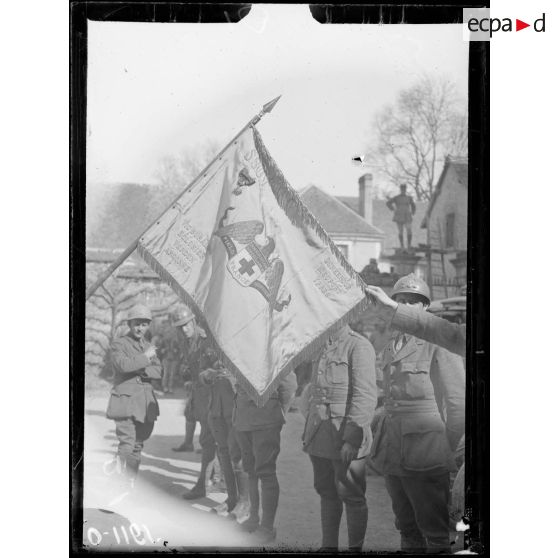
x=277, y=287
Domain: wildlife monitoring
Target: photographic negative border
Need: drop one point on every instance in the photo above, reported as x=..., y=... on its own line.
x=478, y=273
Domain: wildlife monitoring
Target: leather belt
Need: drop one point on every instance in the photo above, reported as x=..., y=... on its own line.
x=399, y=406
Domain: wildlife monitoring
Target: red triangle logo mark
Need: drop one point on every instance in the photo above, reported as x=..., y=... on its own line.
x=519, y=25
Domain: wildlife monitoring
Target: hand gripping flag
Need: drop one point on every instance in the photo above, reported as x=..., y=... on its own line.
x=261, y=275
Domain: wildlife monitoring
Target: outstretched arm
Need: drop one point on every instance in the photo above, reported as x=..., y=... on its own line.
x=418, y=322
x=431, y=328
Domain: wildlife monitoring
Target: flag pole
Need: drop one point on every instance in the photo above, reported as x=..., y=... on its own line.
x=268, y=107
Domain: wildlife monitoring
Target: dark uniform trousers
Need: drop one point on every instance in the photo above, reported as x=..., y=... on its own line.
x=220, y=404
x=131, y=436
x=132, y=404
x=207, y=441
x=259, y=450
x=258, y=431
x=423, y=420
x=197, y=410
x=339, y=405
x=336, y=484
x=200, y=356
x=225, y=437
x=420, y=505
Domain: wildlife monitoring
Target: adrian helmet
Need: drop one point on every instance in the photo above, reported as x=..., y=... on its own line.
x=139, y=312
x=411, y=284
x=182, y=317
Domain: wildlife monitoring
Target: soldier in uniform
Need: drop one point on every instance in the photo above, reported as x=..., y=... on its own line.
x=423, y=421
x=418, y=322
x=403, y=213
x=199, y=356
x=259, y=436
x=132, y=403
x=184, y=332
x=339, y=406
x=221, y=398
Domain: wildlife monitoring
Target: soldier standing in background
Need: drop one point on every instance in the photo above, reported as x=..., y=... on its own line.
x=200, y=356
x=132, y=404
x=418, y=322
x=403, y=213
x=259, y=435
x=339, y=406
x=423, y=421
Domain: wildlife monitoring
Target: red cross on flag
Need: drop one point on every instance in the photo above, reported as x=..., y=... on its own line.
x=264, y=280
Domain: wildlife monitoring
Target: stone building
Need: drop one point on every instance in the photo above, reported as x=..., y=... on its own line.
x=352, y=231
x=445, y=224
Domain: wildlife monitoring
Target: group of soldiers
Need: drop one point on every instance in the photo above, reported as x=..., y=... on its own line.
x=411, y=439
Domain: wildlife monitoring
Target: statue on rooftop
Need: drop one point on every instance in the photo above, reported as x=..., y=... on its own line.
x=403, y=207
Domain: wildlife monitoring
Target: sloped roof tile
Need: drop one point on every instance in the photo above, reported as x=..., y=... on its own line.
x=336, y=217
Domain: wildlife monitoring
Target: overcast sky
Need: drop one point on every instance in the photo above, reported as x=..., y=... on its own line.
x=155, y=89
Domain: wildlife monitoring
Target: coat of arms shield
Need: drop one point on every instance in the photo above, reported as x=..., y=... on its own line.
x=244, y=268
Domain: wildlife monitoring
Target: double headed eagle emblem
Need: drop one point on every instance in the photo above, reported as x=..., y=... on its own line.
x=250, y=263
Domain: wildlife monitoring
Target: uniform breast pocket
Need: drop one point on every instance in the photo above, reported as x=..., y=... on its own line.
x=417, y=380
x=337, y=372
x=424, y=444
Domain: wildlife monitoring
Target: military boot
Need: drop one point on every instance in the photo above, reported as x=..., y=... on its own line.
x=413, y=542
x=357, y=520
x=253, y=521
x=188, y=444
x=331, y=511
x=269, y=499
x=241, y=511
x=198, y=490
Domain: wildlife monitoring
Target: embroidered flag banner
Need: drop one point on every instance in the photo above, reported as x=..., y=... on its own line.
x=261, y=275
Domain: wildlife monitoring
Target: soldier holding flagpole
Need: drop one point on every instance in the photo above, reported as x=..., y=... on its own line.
x=265, y=283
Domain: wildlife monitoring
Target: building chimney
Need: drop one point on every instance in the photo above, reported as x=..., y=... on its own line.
x=365, y=197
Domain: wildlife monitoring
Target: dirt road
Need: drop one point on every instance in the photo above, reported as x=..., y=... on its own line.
x=154, y=514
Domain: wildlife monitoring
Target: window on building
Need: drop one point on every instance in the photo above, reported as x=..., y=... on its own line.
x=344, y=249
x=450, y=230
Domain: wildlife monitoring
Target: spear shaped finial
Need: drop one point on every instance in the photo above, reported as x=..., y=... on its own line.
x=268, y=107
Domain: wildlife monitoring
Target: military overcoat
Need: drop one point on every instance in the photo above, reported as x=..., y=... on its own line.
x=132, y=395
x=340, y=400
x=247, y=416
x=424, y=410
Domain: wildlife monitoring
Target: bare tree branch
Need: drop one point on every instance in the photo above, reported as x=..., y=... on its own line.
x=413, y=136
